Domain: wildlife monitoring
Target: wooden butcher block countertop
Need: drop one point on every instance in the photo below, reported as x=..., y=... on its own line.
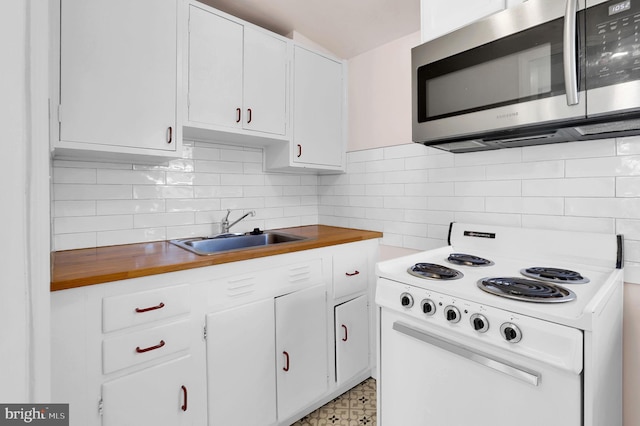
x=78, y=268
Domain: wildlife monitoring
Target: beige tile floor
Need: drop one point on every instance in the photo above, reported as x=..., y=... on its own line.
x=353, y=408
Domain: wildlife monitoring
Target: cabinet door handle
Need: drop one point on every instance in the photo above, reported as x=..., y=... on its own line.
x=249, y=114
x=352, y=273
x=150, y=348
x=299, y=150
x=238, y=115
x=150, y=308
x=184, y=398
x=346, y=331
x=170, y=134
x=286, y=358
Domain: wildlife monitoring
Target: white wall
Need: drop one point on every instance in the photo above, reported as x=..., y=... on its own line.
x=379, y=107
x=14, y=329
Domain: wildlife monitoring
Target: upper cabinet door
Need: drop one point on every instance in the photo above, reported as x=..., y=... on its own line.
x=118, y=73
x=318, y=109
x=215, y=69
x=265, y=82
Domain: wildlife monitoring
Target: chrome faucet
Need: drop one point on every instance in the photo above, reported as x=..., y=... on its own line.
x=225, y=222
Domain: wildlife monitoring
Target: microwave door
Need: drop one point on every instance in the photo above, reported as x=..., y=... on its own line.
x=517, y=80
x=613, y=57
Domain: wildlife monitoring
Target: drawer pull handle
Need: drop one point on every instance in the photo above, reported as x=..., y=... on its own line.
x=352, y=274
x=299, y=150
x=286, y=357
x=249, y=112
x=344, y=339
x=238, y=115
x=184, y=396
x=151, y=308
x=170, y=134
x=150, y=348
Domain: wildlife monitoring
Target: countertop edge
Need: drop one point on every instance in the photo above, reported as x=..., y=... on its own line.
x=100, y=264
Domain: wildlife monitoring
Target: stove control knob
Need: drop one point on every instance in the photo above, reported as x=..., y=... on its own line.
x=428, y=307
x=406, y=300
x=452, y=314
x=479, y=323
x=510, y=332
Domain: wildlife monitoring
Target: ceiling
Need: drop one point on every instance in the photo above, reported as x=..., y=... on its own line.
x=344, y=27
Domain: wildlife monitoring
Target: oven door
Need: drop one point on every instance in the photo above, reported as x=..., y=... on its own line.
x=427, y=378
x=513, y=69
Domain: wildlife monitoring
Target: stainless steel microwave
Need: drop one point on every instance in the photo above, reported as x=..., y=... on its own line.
x=542, y=72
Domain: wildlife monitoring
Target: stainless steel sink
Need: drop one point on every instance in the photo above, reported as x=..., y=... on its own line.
x=229, y=242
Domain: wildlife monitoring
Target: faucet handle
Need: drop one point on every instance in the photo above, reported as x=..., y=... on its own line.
x=226, y=218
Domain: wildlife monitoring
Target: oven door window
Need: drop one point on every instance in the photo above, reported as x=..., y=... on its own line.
x=524, y=66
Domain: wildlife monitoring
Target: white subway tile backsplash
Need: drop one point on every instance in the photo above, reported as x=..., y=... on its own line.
x=628, y=187
x=130, y=236
x=506, y=188
x=628, y=146
x=78, y=224
x=534, y=170
x=409, y=192
x=626, y=165
x=112, y=207
x=135, y=177
x=575, y=187
x=143, y=192
x=582, y=149
x=570, y=223
x=77, y=192
x=74, y=175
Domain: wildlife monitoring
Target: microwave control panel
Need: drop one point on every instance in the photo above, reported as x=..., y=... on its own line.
x=613, y=43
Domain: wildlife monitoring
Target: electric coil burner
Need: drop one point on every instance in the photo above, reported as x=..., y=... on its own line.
x=526, y=290
x=434, y=271
x=554, y=275
x=468, y=260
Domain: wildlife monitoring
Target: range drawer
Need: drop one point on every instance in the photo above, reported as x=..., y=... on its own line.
x=349, y=272
x=145, y=345
x=129, y=310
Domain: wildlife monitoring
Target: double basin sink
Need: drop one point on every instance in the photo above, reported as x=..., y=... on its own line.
x=232, y=242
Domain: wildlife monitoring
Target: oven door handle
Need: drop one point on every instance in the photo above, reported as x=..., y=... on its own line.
x=502, y=366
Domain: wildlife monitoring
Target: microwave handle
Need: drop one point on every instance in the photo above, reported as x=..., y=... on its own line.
x=570, y=49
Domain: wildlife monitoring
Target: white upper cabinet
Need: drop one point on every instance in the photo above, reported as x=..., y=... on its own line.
x=439, y=17
x=118, y=78
x=318, y=111
x=317, y=114
x=237, y=77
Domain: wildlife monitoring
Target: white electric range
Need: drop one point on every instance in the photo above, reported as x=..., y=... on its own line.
x=504, y=326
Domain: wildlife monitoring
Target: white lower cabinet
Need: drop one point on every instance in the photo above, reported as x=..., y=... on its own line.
x=240, y=344
x=241, y=373
x=352, y=338
x=301, y=348
x=157, y=395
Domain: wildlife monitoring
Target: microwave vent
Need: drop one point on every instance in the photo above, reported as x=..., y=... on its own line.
x=462, y=146
x=616, y=126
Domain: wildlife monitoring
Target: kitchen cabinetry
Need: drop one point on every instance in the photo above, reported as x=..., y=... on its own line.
x=237, y=76
x=352, y=338
x=241, y=363
x=126, y=357
x=318, y=94
x=117, y=79
x=301, y=348
x=255, y=342
x=155, y=396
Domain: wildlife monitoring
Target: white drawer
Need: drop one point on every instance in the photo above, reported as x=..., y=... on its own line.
x=144, y=307
x=144, y=345
x=349, y=272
